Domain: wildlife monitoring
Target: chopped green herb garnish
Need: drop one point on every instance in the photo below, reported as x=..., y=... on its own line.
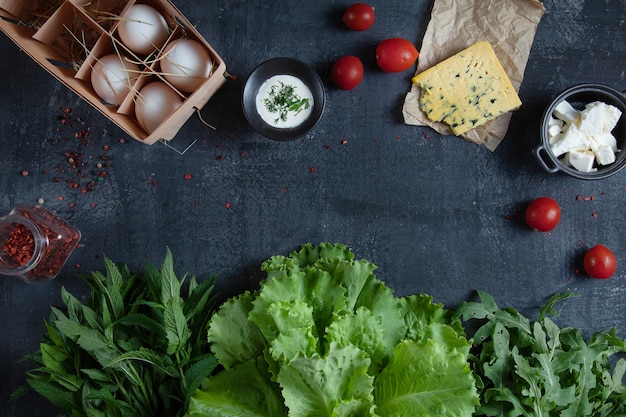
x=283, y=99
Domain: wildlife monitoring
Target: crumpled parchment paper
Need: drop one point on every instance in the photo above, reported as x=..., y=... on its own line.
x=510, y=27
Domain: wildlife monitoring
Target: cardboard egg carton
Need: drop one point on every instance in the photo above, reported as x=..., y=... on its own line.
x=66, y=37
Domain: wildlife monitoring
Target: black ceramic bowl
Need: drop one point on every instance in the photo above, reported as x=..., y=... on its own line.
x=282, y=66
x=579, y=96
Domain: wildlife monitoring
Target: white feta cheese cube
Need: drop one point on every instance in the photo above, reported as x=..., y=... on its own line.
x=581, y=160
x=554, y=130
x=603, y=139
x=607, y=116
x=591, y=120
x=554, y=139
x=604, y=155
x=566, y=112
x=553, y=121
x=571, y=139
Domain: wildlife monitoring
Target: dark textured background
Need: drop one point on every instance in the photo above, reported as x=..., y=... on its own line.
x=437, y=215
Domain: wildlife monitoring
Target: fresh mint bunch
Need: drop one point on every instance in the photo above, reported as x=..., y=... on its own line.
x=136, y=348
x=536, y=369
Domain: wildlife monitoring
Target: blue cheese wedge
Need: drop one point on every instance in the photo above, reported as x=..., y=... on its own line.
x=467, y=90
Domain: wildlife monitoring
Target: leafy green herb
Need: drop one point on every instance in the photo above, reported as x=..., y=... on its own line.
x=537, y=369
x=283, y=100
x=137, y=347
x=324, y=337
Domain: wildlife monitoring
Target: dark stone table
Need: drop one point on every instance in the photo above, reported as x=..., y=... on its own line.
x=436, y=214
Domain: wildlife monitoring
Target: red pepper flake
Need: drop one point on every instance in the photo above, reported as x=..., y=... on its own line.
x=227, y=205
x=219, y=157
x=122, y=140
x=344, y=141
x=327, y=146
x=92, y=205
x=20, y=245
x=595, y=215
x=242, y=154
x=426, y=135
x=312, y=170
x=24, y=173
x=585, y=199
x=508, y=217
x=77, y=265
x=187, y=177
x=106, y=147
x=60, y=198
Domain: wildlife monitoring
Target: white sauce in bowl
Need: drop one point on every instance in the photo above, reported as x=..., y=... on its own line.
x=284, y=101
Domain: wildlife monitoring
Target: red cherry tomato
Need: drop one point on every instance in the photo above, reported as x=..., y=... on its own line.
x=599, y=262
x=359, y=16
x=347, y=72
x=543, y=214
x=395, y=55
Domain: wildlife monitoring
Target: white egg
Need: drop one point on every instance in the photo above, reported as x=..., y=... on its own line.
x=186, y=64
x=155, y=103
x=143, y=29
x=112, y=77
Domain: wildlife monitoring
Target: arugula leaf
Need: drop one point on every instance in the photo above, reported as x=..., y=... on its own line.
x=537, y=369
x=126, y=351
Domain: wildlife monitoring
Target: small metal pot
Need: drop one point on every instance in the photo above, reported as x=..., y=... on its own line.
x=579, y=96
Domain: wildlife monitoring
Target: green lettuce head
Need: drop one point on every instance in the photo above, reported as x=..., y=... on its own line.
x=324, y=337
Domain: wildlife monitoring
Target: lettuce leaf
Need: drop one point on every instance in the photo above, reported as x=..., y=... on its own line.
x=325, y=337
x=335, y=385
x=424, y=379
x=243, y=390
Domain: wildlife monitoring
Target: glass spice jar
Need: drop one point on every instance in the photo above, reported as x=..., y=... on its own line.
x=35, y=243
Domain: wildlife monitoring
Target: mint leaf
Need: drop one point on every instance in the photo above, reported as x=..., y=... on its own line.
x=125, y=352
x=176, y=330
